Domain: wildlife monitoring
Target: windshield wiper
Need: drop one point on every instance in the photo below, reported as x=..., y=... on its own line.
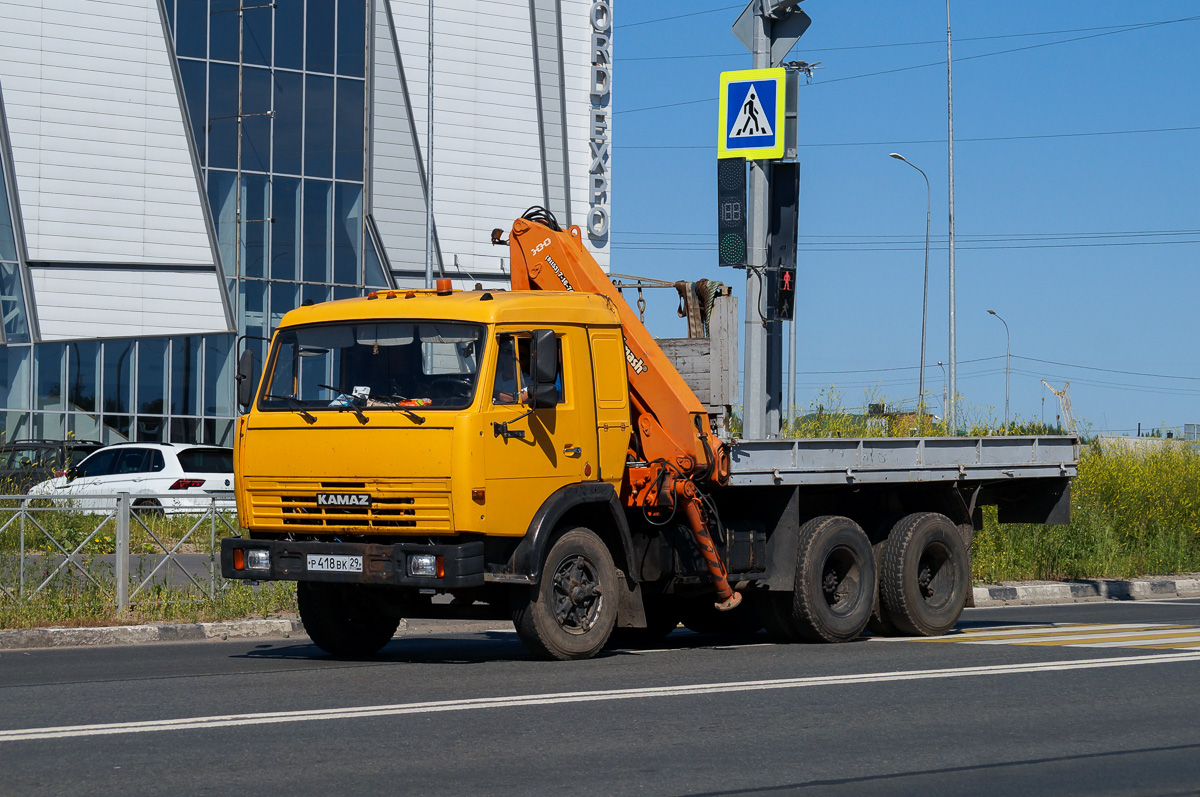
x=296, y=405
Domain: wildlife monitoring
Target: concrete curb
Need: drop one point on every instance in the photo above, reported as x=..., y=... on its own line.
x=1087, y=590
x=141, y=634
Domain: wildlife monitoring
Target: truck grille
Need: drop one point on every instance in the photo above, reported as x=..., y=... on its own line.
x=404, y=508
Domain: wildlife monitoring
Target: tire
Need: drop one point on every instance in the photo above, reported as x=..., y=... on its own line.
x=342, y=621
x=572, y=610
x=701, y=616
x=835, y=580
x=925, y=574
x=880, y=623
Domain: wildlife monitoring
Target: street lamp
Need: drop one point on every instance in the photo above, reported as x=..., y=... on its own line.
x=925, y=289
x=1007, y=362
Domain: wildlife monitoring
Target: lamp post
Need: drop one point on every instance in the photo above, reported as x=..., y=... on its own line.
x=924, y=291
x=1007, y=362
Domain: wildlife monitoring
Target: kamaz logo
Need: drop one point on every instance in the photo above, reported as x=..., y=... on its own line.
x=561, y=277
x=343, y=499
x=636, y=363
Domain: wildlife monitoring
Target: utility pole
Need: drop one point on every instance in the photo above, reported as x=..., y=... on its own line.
x=756, y=407
x=951, y=415
x=429, y=158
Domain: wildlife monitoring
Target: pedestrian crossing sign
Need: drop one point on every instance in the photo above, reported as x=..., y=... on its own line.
x=752, y=114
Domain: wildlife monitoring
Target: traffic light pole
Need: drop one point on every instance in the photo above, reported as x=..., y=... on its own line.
x=763, y=374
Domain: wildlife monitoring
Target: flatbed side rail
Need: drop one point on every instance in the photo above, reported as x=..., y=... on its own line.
x=895, y=460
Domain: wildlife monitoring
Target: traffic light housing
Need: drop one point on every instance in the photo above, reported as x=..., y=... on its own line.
x=731, y=211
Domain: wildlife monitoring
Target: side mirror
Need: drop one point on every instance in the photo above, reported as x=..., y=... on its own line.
x=245, y=379
x=543, y=369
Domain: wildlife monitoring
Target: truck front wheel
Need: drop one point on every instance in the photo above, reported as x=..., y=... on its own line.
x=572, y=610
x=342, y=621
x=924, y=575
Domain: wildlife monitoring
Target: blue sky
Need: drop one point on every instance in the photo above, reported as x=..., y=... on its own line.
x=1087, y=245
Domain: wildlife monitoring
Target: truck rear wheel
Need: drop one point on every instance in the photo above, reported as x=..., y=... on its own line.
x=341, y=621
x=925, y=574
x=835, y=580
x=572, y=610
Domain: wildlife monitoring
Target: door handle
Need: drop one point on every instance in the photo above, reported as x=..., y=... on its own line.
x=573, y=451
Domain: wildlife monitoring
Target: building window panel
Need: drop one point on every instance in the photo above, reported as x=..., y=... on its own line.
x=223, y=30
x=118, y=376
x=350, y=110
x=319, y=36
x=289, y=122
x=15, y=366
x=151, y=428
x=283, y=300
x=83, y=426
x=318, y=126
x=222, y=120
x=12, y=304
x=185, y=430
x=252, y=303
x=169, y=5
x=50, y=394
x=223, y=202
x=254, y=225
x=374, y=276
x=49, y=426
x=218, y=375
x=351, y=37
x=186, y=375
x=152, y=375
x=83, y=376
x=194, y=75
x=317, y=222
x=347, y=234
x=256, y=33
x=345, y=292
x=289, y=34
x=315, y=293
x=8, y=236
x=191, y=37
x=256, y=126
x=285, y=230
x=116, y=428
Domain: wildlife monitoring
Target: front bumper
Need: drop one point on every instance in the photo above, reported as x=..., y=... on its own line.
x=463, y=564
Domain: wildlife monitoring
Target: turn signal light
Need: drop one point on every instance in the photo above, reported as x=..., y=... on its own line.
x=184, y=484
x=239, y=559
x=478, y=496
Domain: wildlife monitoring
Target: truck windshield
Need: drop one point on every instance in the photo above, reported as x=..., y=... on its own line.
x=386, y=365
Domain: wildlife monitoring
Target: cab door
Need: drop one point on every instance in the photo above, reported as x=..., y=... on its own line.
x=550, y=447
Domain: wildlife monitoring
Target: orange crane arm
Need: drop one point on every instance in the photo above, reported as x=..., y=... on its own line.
x=672, y=434
x=671, y=422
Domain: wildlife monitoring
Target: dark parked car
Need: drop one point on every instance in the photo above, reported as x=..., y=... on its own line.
x=24, y=463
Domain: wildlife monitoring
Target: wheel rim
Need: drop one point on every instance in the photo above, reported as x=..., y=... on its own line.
x=577, y=595
x=841, y=575
x=935, y=576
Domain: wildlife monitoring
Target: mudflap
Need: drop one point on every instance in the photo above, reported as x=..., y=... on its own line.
x=630, y=611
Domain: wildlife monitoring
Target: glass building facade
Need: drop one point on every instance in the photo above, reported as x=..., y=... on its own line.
x=276, y=98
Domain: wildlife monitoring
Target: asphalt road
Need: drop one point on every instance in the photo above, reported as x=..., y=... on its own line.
x=1098, y=698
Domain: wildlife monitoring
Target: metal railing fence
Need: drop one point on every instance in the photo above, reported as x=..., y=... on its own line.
x=45, y=538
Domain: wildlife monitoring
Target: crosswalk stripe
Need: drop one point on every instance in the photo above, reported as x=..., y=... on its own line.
x=1003, y=637
x=1165, y=642
x=1112, y=639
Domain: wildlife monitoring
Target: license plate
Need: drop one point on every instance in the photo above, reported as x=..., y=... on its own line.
x=334, y=563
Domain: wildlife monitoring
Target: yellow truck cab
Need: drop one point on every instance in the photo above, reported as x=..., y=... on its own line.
x=391, y=441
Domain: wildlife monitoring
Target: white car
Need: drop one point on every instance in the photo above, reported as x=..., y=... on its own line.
x=160, y=477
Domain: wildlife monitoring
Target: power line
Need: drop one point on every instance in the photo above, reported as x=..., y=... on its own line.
x=975, y=237
x=677, y=16
x=1108, y=370
x=668, y=246
x=936, y=63
x=936, y=140
x=1117, y=28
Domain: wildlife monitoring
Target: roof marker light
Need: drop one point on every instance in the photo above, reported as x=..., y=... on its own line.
x=444, y=288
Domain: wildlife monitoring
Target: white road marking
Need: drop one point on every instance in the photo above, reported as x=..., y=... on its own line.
x=1134, y=643
x=520, y=701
